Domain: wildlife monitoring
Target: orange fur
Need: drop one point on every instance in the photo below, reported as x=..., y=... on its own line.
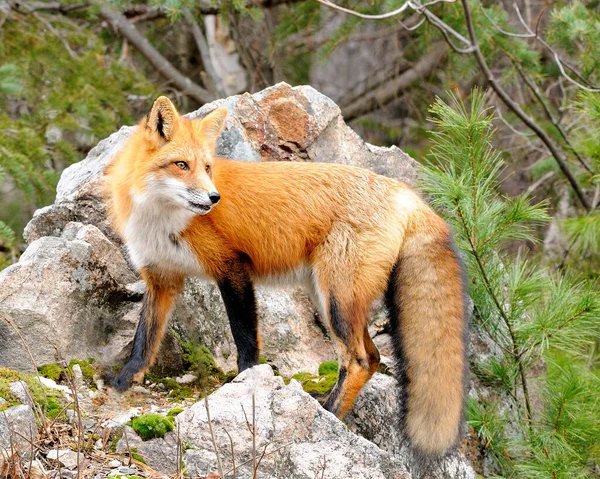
x=353, y=233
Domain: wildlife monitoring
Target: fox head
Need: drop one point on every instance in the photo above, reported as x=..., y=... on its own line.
x=176, y=168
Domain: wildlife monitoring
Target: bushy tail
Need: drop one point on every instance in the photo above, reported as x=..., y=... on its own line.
x=428, y=317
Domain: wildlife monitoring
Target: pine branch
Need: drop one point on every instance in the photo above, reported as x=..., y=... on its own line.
x=517, y=110
x=515, y=350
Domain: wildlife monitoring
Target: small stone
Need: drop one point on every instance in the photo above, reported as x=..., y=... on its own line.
x=114, y=464
x=51, y=384
x=78, y=376
x=17, y=426
x=21, y=391
x=186, y=379
x=62, y=474
x=3, y=402
x=140, y=390
x=66, y=457
x=121, y=419
x=161, y=386
x=126, y=470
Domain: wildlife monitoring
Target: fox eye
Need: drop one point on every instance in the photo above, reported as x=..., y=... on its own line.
x=207, y=168
x=182, y=165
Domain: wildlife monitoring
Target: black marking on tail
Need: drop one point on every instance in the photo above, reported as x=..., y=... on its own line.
x=394, y=311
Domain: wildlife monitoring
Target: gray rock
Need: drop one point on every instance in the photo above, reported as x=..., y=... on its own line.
x=160, y=454
x=374, y=416
x=299, y=436
x=73, y=294
x=66, y=296
x=114, y=464
x=21, y=391
x=66, y=457
x=186, y=379
x=62, y=473
x=18, y=429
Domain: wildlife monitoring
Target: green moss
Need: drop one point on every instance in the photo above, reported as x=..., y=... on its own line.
x=183, y=392
x=51, y=371
x=137, y=457
x=328, y=367
x=87, y=370
x=150, y=426
x=311, y=383
x=175, y=411
x=51, y=401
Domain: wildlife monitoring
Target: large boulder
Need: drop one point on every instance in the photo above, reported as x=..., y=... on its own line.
x=374, y=417
x=74, y=295
x=295, y=437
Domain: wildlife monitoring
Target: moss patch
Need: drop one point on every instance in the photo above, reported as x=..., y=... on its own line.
x=87, y=370
x=150, y=426
x=175, y=411
x=49, y=400
x=318, y=383
x=328, y=367
x=51, y=371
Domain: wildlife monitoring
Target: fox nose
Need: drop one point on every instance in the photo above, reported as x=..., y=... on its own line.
x=214, y=197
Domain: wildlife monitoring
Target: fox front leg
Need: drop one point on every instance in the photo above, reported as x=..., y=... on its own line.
x=159, y=298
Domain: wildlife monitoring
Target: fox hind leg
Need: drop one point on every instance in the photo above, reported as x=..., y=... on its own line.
x=358, y=356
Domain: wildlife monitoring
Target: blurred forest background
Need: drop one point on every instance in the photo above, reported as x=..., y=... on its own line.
x=513, y=164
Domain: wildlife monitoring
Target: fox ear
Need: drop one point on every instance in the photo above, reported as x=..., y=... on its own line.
x=162, y=119
x=210, y=127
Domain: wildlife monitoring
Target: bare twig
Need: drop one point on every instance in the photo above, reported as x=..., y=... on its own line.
x=233, y=468
x=403, y=8
x=530, y=122
x=254, y=467
x=542, y=179
x=164, y=67
x=57, y=34
x=215, y=79
x=212, y=438
x=536, y=93
x=127, y=444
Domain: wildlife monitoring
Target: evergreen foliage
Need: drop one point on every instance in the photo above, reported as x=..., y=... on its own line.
x=59, y=95
x=540, y=326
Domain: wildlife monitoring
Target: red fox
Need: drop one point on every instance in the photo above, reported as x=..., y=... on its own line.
x=349, y=234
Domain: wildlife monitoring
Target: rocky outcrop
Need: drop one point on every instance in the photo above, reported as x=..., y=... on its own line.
x=374, y=417
x=74, y=295
x=295, y=437
x=18, y=430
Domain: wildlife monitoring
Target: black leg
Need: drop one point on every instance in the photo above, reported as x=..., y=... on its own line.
x=237, y=291
x=161, y=293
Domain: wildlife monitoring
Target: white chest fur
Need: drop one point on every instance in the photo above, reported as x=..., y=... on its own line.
x=152, y=236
